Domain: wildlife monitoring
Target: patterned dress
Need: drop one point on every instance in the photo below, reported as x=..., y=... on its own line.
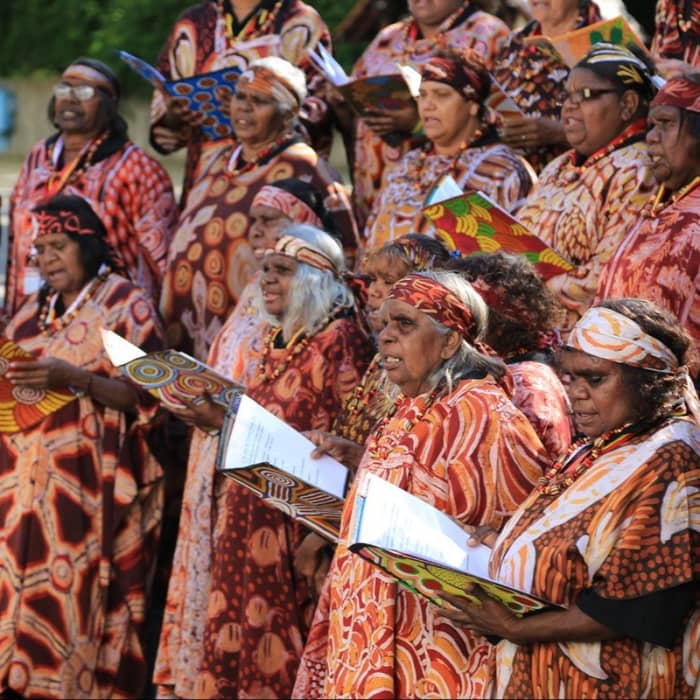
x=259, y=612
x=130, y=192
x=210, y=261
x=628, y=527
x=584, y=211
x=677, y=33
x=402, y=42
x=234, y=354
x=659, y=260
x=81, y=502
x=201, y=43
x=493, y=168
x=534, y=79
x=382, y=640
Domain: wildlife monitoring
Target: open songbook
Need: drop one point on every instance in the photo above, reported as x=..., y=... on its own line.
x=22, y=407
x=472, y=223
x=423, y=548
x=208, y=93
x=502, y=103
x=573, y=46
x=272, y=459
x=170, y=375
x=386, y=92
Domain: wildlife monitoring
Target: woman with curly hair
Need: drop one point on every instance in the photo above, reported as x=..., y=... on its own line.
x=523, y=314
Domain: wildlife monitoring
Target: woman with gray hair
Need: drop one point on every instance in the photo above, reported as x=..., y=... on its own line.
x=313, y=355
x=454, y=440
x=210, y=260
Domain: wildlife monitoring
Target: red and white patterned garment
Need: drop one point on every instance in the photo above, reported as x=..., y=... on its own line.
x=494, y=169
x=81, y=502
x=584, y=212
x=677, y=31
x=200, y=42
x=403, y=43
x=471, y=454
x=659, y=260
x=130, y=192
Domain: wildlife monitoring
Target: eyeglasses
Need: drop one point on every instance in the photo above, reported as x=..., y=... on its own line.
x=583, y=95
x=83, y=93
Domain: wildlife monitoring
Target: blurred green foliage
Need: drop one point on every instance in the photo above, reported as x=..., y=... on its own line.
x=42, y=37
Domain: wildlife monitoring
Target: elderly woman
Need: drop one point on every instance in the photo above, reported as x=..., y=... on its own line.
x=81, y=493
x=462, y=143
x=456, y=24
x=522, y=317
x=234, y=354
x=313, y=355
x=588, y=198
x=610, y=533
x=383, y=640
x=210, y=261
x=659, y=258
x=90, y=155
x=534, y=78
x=218, y=34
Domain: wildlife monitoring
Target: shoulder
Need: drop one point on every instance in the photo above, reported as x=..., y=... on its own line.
x=136, y=156
x=300, y=12
x=486, y=23
x=196, y=13
x=388, y=34
x=120, y=295
x=499, y=154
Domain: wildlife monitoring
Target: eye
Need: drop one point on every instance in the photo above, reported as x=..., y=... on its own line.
x=595, y=379
x=371, y=279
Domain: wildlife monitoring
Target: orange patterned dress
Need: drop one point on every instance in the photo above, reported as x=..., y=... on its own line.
x=259, y=611
x=677, y=31
x=234, y=354
x=627, y=528
x=210, y=261
x=584, y=211
x=81, y=502
x=493, y=168
x=471, y=454
x=659, y=260
x=373, y=158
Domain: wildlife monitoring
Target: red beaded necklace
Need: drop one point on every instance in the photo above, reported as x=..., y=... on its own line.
x=260, y=23
x=279, y=144
x=657, y=202
x=70, y=172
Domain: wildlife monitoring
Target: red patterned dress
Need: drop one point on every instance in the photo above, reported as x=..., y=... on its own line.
x=130, y=192
x=259, y=611
x=677, y=33
x=659, y=260
x=202, y=41
x=584, y=211
x=210, y=261
x=373, y=158
x=471, y=454
x=80, y=504
x=627, y=528
x=493, y=168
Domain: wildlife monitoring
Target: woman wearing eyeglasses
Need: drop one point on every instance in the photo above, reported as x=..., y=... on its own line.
x=90, y=155
x=587, y=198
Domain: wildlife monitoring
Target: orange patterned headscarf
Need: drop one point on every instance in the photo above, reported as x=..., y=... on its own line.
x=46, y=222
x=263, y=80
x=437, y=301
x=681, y=93
x=305, y=252
x=292, y=207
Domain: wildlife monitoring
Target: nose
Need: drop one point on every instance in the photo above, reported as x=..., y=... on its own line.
x=386, y=337
x=652, y=135
x=577, y=389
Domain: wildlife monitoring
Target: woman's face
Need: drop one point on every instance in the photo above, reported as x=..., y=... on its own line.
x=255, y=117
x=60, y=262
x=383, y=273
x=600, y=399
x=552, y=11
x=444, y=112
x=431, y=13
x=278, y=274
x=675, y=154
x=266, y=227
x=411, y=347
x=73, y=115
x=592, y=122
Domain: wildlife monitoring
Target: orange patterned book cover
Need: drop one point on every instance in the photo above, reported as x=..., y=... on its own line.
x=23, y=407
x=472, y=223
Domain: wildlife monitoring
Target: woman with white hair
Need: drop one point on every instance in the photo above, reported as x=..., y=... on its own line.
x=456, y=441
x=210, y=259
x=313, y=355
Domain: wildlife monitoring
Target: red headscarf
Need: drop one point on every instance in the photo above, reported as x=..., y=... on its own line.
x=679, y=92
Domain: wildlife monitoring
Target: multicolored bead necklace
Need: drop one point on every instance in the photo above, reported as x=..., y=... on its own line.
x=258, y=25
x=658, y=202
x=277, y=146
x=73, y=170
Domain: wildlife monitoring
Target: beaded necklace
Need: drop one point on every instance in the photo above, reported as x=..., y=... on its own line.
x=48, y=321
x=73, y=170
x=657, y=202
x=258, y=24
x=234, y=169
x=582, y=454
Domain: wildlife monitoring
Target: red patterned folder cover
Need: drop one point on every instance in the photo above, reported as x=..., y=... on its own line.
x=23, y=407
x=473, y=223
